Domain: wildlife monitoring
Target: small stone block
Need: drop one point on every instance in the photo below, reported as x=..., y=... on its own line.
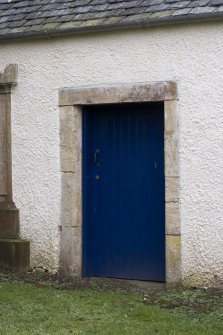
x=71, y=251
x=171, y=117
x=9, y=223
x=172, y=218
x=172, y=189
x=173, y=259
x=171, y=156
x=15, y=255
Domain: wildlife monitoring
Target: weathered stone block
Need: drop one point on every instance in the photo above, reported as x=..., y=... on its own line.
x=155, y=91
x=15, y=255
x=68, y=190
x=71, y=251
x=171, y=156
x=70, y=138
x=172, y=189
x=173, y=259
x=172, y=218
x=9, y=223
x=171, y=117
x=171, y=139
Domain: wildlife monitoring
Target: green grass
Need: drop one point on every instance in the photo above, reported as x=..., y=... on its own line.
x=27, y=309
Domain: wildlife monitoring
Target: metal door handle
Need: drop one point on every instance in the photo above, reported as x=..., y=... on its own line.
x=97, y=151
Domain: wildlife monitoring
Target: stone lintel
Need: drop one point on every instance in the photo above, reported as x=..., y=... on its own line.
x=119, y=93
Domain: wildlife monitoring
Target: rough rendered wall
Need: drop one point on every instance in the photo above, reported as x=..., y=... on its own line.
x=189, y=54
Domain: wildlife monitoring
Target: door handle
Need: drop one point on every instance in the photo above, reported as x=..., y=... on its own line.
x=97, y=151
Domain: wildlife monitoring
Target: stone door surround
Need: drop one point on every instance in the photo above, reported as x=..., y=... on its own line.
x=71, y=102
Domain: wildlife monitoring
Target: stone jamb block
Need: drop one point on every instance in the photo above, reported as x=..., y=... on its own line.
x=172, y=218
x=71, y=251
x=173, y=259
x=172, y=189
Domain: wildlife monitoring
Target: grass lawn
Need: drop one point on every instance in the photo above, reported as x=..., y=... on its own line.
x=42, y=309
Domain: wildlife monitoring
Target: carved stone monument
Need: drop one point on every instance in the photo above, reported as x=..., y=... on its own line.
x=14, y=252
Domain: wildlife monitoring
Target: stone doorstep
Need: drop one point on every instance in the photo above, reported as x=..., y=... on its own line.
x=15, y=254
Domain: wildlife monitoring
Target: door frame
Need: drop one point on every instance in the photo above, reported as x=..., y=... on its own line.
x=71, y=103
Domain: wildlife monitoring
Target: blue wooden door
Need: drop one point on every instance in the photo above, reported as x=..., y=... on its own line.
x=124, y=201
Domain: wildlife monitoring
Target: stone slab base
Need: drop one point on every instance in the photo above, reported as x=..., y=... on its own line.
x=9, y=223
x=15, y=255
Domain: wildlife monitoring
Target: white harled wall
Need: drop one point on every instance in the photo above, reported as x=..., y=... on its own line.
x=191, y=55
